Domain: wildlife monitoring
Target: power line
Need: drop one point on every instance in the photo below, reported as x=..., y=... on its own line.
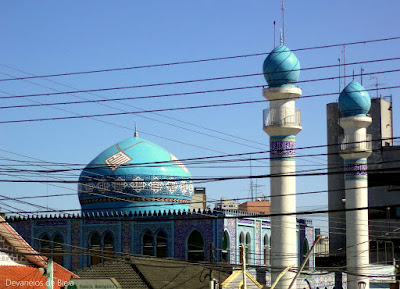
x=182, y=82
x=163, y=109
x=200, y=60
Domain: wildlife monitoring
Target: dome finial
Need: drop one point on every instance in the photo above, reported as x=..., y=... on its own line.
x=136, y=134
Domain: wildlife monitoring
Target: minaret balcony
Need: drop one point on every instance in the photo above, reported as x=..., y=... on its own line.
x=282, y=121
x=357, y=143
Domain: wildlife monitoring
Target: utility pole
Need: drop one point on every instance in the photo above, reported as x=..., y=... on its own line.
x=243, y=257
x=49, y=274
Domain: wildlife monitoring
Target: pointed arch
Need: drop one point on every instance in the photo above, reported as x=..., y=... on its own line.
x=147, y=243
x=95, y=248
x=44, y=245
x=248, y=248
x=57, y=248
x=195, y=246
x=267, y=250
x=226, y=248
x=108, y=245
x=161, y=244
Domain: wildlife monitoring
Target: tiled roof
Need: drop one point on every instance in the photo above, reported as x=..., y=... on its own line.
x=26, y=277
x=122, y=271
x=174, y=274
x=156, y=273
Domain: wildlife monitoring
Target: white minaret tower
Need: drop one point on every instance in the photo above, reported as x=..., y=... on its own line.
x=282, y=123
x=354, y=104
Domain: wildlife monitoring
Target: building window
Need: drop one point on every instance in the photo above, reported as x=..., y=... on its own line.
x=161, y=244
x=45, y=245
x=248, y=248
x=108, y=242
x=267, y=251
x=95, y=250
x=148, y=245
x=225, y=248
x=57, y=249
x=305, y=252
x=195, y=247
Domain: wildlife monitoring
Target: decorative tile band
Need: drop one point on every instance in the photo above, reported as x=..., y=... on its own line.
x=135, y=199
x=137, y=185
x=356, y=169
x=282, y=148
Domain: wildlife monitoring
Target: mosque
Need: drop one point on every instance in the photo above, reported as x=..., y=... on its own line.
x=135, y=200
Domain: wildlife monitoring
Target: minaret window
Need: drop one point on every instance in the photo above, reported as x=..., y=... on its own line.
x=195, y=247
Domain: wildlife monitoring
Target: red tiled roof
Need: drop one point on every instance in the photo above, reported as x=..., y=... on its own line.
x=26, y=277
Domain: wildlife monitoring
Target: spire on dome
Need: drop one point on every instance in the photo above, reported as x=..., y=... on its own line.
x=136, y=134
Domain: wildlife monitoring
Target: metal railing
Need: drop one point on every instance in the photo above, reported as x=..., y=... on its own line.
x=356, y=143
x=282, y=116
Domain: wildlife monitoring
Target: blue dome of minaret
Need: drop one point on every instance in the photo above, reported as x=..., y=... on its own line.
x=135, y=175
x=281, y=67
x=354, y=100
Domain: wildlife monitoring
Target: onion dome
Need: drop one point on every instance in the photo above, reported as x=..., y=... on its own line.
x=281, y=67
x=135, y=175
x=354, y=100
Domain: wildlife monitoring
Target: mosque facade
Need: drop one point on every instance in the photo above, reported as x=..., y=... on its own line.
x=135, y=200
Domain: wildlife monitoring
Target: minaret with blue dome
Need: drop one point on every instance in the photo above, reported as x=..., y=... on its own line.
x=354, y=105
x=135, y=176
x=282, y=122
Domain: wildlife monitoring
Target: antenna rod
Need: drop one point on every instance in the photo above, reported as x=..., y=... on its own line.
x=339, y=74
x=362, y=69
x=344, y=65
x=283, y=23
x=274, y=34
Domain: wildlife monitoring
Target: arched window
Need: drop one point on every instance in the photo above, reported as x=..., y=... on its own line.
x=305, y=251
x=161, y=245
x=95, y=250
x=267, y=250
x=248, y=248
x=147, y=244
x=108, y=242
x=226, y=248
x=45, y=248
x=195, y=247
x=57, y=246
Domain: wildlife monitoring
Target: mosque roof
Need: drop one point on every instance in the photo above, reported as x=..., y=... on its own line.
x=281, y=67
x=138, y=156
x=354, y=100
x=135, y=175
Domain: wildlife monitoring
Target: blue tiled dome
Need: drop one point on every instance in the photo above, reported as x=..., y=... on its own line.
x=135, y=175
x=281, y=67
x=354, y=100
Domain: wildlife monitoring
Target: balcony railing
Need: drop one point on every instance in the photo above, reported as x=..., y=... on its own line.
x=282, y=116
x=356, y=143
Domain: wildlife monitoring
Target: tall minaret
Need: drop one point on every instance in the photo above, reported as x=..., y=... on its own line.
x=282, y=123
x=354, y=104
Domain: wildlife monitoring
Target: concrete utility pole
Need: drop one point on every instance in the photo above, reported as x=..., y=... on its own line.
x=49, y=274
x=354, y=104
x=243, y=255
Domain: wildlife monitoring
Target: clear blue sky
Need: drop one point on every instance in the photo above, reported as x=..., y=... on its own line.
x=46, y=37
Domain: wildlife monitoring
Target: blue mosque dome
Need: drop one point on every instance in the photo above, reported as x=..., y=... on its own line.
x=135, y=175
x=354, y=100
x=281, y=67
